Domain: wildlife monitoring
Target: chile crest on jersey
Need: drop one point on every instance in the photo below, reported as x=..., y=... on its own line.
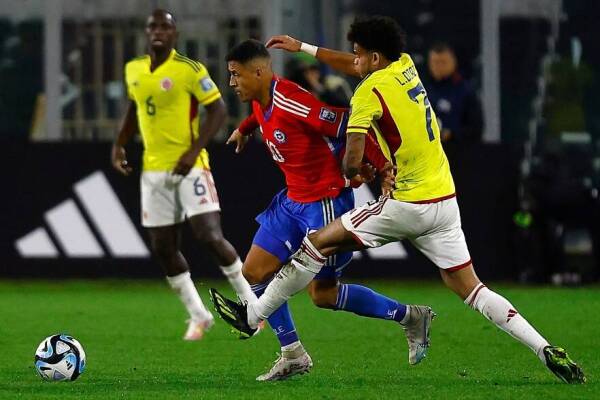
x=279, y=136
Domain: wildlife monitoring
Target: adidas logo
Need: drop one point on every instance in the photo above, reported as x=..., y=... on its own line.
x=391, y=251
x=75, y=237
x=511, y=313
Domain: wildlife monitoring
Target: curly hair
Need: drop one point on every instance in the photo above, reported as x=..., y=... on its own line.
x=246, y=51
x=379, y=33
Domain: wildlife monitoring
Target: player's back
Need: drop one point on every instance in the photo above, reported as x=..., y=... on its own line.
x=394, y=102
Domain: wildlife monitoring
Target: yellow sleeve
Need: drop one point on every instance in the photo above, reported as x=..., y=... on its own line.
x=203, y=88
x=365, y=108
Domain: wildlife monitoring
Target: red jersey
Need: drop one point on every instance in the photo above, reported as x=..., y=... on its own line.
x=305, y=138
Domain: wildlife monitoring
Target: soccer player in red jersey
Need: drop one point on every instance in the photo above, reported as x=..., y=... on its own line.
x=306, y=139
x=422, y=208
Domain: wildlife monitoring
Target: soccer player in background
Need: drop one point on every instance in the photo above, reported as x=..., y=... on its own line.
x=164, y=88
x=306, y=140
x=422, y=208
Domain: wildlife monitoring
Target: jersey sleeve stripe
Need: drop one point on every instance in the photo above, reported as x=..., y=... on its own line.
x=291, y=106
x=191, y=64
x=291, y=102
x=366, y=128
x=283, y=107
x=211, y=98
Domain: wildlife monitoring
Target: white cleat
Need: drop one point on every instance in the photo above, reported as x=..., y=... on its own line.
x=285, y=368
x=196, y=329
x=417, y=332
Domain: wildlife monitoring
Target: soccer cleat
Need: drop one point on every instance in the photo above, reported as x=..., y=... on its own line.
x=196, y=330
x=285, y=368
x=417, y=332
x=234, y=313
x=561, y=365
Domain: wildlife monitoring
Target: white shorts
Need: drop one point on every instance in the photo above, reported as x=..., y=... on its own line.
x=167, y=199
x=433, y=228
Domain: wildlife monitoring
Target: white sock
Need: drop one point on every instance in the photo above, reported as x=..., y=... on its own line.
x=237, y=281
x=291, y=278
x=183, y=285
x=499, y=310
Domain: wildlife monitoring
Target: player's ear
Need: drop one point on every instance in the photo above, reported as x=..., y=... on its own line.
x=375, y=59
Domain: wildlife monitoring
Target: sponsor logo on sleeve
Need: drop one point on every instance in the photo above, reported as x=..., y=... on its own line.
x=206, y=84
x=327, y=115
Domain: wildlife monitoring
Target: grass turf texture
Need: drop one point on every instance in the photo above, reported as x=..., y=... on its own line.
x=131, y=332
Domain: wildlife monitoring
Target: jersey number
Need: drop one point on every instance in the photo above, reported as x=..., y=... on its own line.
x=273, y=149
x=414, y=94
x=199, y=188
x=150, y=107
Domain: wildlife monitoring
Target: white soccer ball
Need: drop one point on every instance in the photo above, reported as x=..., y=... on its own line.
x=60, y=358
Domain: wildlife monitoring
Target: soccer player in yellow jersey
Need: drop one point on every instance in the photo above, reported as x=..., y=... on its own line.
x=165, y=88
x=421, y=207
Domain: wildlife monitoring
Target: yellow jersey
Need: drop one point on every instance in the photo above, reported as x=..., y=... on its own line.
x=394, y=103
x=167, y=107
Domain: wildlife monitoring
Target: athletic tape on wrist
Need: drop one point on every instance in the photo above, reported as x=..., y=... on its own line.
x=309, y=49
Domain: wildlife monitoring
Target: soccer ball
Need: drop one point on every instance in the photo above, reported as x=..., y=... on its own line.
x=60, y=358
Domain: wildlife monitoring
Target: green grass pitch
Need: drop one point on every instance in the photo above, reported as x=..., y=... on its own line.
x=131, y=331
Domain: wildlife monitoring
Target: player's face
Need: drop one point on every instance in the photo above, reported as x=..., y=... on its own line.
x=362, y=62
x=441, y=64
x=161, y=32
x=243, y=80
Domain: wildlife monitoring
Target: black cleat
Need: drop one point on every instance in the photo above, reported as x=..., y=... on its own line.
x=234, y=313
x=561, y=365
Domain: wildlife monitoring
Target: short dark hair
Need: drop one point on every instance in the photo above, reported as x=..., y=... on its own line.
x=246, y=51
x=379, y=33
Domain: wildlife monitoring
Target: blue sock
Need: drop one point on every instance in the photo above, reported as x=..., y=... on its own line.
x=363, y=301
x=281, y=320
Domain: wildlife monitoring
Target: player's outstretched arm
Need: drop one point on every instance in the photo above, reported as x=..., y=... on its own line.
x=128, y=128
x=216, y=113
x=338, y=60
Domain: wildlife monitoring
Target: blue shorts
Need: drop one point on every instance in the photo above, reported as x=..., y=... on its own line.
x=285, y=222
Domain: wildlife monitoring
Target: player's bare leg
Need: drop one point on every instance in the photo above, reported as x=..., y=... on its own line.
x=324, y=293
x=260, y=265
x=165, y=243
x=207, y=231
x=505, y=316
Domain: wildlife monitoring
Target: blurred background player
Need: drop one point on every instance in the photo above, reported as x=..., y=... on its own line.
x=165, y=88
x=294, y=124
x=422, y=208
x=453, y=99
x=331, y=89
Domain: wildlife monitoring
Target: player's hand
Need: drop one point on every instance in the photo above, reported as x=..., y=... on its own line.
x=387, y=178
x=119, y=160
x=186, y=162
x=239, y=140
x=284, y=42
x=366, y=174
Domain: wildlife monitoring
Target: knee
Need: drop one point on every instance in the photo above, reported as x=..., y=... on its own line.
x=211, y=238
x=323, y=297
x=255, y=275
